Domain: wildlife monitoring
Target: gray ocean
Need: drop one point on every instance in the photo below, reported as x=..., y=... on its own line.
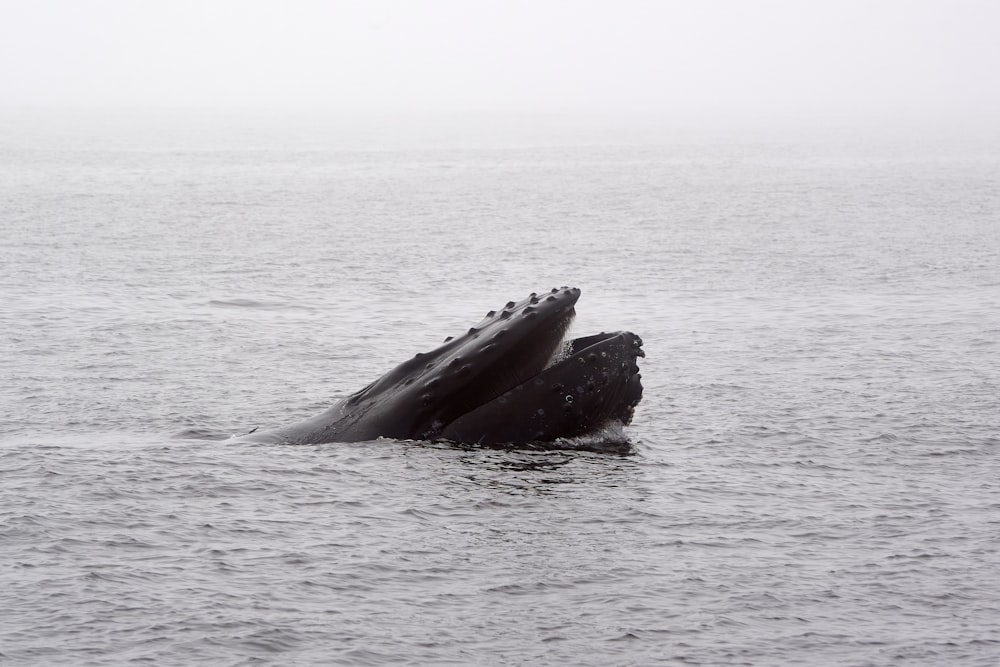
x=814, y=471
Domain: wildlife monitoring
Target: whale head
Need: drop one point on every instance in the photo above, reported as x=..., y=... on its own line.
x=511, y=378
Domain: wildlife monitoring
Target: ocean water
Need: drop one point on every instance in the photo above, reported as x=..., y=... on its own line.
x=814, y=476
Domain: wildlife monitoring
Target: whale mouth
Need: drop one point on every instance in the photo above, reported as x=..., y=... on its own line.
x=513, y=378
x=522, y=362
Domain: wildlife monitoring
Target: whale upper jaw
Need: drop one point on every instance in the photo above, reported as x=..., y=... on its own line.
x=511, y=345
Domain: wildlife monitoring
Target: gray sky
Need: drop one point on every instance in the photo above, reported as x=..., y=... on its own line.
x=674, y=59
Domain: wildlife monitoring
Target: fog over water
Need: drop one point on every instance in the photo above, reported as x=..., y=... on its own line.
x=680, y=61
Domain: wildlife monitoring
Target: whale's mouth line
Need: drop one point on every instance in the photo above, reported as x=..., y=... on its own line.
x=565, y=355
x=562, y=351
x=537, y=360
x=559, y=349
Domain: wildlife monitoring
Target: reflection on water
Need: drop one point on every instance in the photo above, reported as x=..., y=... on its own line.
x=537, y=472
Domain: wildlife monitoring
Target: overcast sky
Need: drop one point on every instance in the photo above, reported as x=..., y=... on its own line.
x=720, y=58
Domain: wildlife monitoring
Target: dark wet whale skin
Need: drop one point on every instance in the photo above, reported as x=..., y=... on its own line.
x=491, y=385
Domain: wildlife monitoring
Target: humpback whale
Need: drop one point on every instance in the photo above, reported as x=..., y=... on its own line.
x=511, y=379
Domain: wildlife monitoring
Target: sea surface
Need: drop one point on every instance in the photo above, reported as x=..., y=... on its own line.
x=814, y=470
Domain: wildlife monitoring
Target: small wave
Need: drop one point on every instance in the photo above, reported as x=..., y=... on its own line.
x=253, y=303
x=882, y=437
x=198, y=433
